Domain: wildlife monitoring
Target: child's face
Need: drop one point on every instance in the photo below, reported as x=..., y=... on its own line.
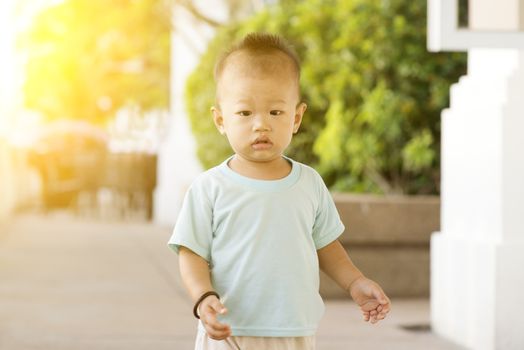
x=259, y=109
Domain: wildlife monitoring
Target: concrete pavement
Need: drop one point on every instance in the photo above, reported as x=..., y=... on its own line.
x=73, y=284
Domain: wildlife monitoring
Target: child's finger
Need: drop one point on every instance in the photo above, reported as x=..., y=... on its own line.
x=380, y=317
x=216, y=325
x=374, y=319
x=215, y=329
x=385, y=308
x=210, y=319
x=216, y=334
x=217, y=306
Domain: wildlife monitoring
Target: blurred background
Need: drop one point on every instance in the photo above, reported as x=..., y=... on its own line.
x=96, y=97
x=104, y=123
x=85, y=97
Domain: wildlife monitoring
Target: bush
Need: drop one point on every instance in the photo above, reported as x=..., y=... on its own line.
x=374, y=92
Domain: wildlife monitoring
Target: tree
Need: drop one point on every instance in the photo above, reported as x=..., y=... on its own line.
x=374, y=92
x=88, y=58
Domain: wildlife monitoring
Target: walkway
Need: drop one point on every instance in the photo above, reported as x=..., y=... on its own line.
x=70, y=284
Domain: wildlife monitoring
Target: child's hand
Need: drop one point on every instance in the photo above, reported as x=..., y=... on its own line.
x=371, y=298
x=208, y=310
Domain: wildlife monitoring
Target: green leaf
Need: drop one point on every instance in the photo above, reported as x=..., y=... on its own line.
x=418, y=153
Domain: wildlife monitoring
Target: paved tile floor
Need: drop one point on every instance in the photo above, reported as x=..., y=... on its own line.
x=72, y=284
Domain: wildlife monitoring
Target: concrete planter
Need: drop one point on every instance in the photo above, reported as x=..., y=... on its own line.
x=387, y=237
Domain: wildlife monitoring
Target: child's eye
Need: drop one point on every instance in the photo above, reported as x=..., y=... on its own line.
x=276, y=112
x=244, y=113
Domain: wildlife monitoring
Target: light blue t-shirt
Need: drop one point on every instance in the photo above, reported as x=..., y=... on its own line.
x=260, y=238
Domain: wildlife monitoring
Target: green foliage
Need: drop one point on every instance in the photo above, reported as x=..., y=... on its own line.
x=88, y=58
x=374, y=92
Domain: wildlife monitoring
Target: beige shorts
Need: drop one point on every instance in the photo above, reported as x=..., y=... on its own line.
x=203, y=342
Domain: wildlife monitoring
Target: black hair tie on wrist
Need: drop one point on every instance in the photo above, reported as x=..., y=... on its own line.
x=201, y=299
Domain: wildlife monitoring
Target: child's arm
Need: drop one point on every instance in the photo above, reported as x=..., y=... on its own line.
x=196, y=277
x=335, y=262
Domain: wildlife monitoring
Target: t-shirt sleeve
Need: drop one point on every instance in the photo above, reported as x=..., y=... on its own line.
x=327, y=226
x=193, y=228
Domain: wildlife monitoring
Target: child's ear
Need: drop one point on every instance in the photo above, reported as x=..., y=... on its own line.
x=218, y=119
x=299, y=113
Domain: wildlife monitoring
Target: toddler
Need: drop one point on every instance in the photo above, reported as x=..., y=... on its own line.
x=254, y=231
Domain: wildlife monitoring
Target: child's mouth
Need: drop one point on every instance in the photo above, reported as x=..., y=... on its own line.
x=262, y=144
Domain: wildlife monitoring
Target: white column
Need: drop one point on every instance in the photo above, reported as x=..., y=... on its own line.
x=477, y=260
x=177, y=161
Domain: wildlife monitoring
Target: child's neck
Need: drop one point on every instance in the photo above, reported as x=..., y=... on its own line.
x=271, y=170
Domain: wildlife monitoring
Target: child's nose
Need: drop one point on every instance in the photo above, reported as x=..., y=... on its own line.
x=261, y=123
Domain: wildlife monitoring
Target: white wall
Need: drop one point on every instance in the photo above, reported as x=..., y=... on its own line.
x=496, y=15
